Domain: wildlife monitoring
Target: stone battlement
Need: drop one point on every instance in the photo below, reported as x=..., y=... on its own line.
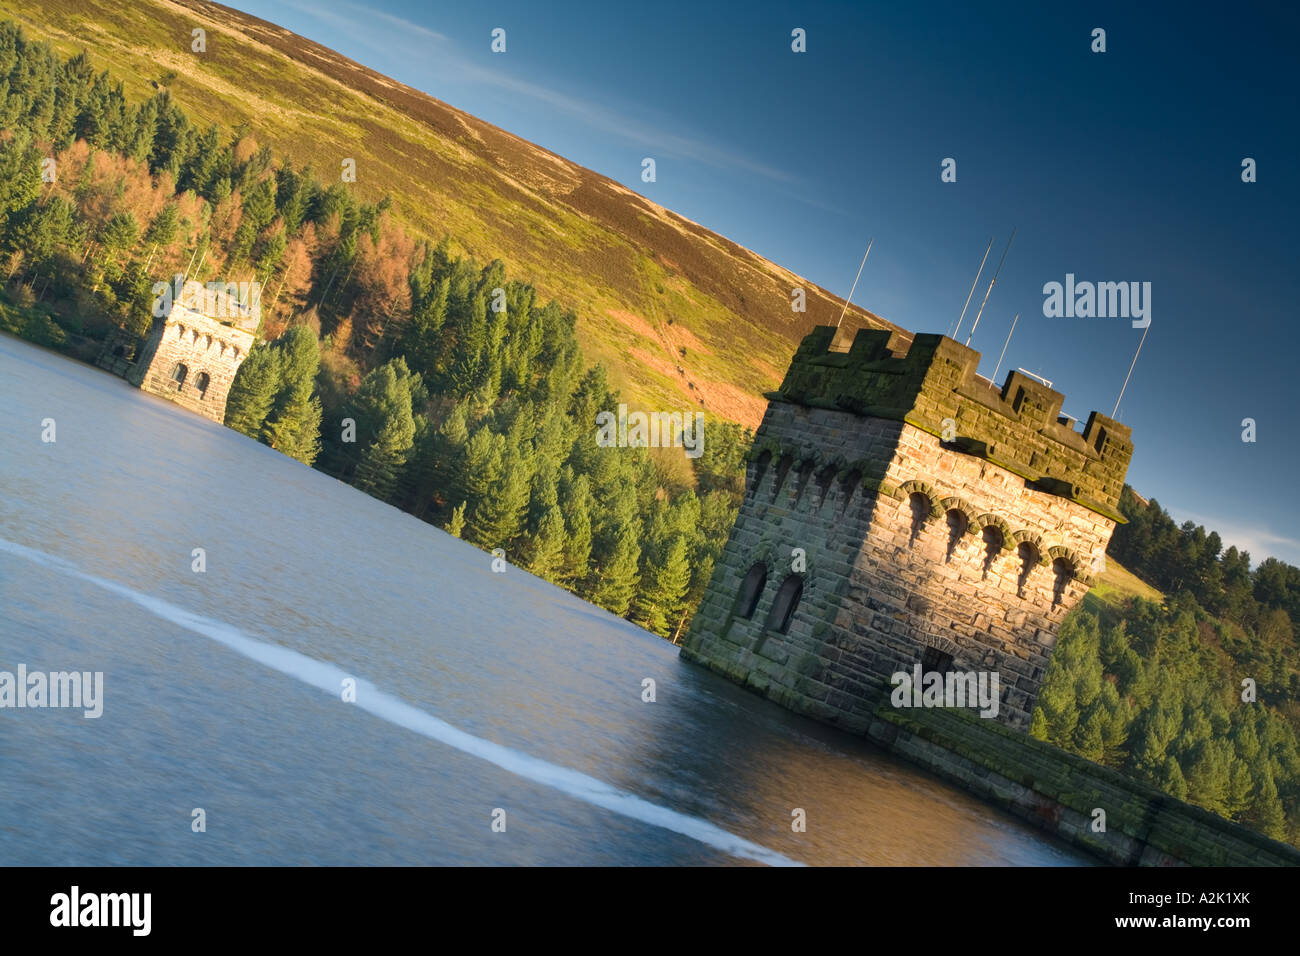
x=901, y=512
x=191, y=358
x=930, y=378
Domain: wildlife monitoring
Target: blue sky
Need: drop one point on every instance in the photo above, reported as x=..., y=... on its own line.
x=1115, y=166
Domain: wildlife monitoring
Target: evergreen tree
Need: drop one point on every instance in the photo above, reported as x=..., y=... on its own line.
x=20, y=184
x=293, y=422
x=499, y=516
x=577, y=505
x=457, y=522
x=662, y=589
x=479, y=473
x=162, y=230
x=383, y=414
x=253, y=390
x=296, y=430
x=616, y=580
x=546, y=550
x=1266, y=814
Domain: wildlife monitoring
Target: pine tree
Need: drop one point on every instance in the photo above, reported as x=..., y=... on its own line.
x=296, y=432
x=478, y=473
x=119, y=235
x=293, y=424
x=20, y=184
x=1209, y=777
x=457, y=522
x=1070, y=686
x=382, y=460
x=383, y=410
x=1171, y=779
x=41, y=229
x=436, y=468
x=616, y=581
x=662, y=589
x=577, y=504
x=546, y=550
x=1267, y=815
x=421, y=342
x=162, y=230
x=499, y=517
x=252, y=393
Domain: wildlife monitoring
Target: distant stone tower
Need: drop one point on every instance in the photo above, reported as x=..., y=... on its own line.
x=900, y=509
x=191, y=356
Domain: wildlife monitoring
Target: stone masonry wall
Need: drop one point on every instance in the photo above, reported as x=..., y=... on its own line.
x=1060, y=793
x=205, y=347
x=884, y=578
x=908, y=536
x=803, y=490
x=965, y=557
x=935, y=383
x=921, y=509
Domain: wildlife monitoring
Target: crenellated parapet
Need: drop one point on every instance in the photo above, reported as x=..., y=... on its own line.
x=932, y=383
x=191, y=358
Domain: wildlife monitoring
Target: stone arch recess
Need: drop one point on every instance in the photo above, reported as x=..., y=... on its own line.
x=916, y=487
x=1036, y=541
x=958, y=504
x=987, y=520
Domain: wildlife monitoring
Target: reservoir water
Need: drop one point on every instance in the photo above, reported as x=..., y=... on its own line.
x=475, y=692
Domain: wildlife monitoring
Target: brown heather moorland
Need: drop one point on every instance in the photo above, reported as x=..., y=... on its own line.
x=653, y=291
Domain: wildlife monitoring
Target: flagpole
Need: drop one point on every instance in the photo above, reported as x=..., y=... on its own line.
x=952, y=333
x=855, y=282
x=1004, y=348
x=990, y=288
x=1130, y=369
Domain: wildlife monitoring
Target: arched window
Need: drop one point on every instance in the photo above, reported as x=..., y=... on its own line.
x=783, y=466
x=849, y=484
x=804, y=474
x=993, y=542
x=824, y=479
x=783, y=607
x=934, y=660
x=751, y=589
x=920, y=505
x=1062, y=571
x=1028, y=558
x=760, y=469
x=179, y=373
x=201, y=383
x=957, y=524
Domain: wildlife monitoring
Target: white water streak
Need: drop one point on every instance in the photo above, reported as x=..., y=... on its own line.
x=385, y=706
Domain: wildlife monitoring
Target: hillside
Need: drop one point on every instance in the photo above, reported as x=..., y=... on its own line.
x=1114, y=586
x=652, y=290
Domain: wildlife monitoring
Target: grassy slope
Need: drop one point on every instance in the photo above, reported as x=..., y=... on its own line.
x=1112, y=589
x=623, y=263
x=1116, y=584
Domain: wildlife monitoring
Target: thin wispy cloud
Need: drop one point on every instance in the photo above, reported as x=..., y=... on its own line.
x=1260, y=542
x=396, y=36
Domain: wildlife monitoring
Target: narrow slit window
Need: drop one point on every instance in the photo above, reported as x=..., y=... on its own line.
x=785, y=604
x=934, y=660
x=751, y=589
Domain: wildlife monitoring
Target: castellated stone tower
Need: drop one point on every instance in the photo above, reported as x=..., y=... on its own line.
x=192, y=355
x=942, y=521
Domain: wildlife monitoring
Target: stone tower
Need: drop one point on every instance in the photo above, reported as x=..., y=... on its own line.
x=192, y=355
x=900, y=510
